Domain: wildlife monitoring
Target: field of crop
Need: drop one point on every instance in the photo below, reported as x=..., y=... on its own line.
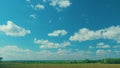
x=21, y=65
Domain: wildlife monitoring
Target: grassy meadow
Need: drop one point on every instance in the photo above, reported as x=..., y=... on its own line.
x=35, y=65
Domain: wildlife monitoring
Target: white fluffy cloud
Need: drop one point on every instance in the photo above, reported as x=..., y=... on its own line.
x=112, y=33
x=15, y=53
x=12, y=29
x=60, y=3
x=58, y=33
x=86, y=34
x=39, y=6
x=48, y=44
x=102, y=45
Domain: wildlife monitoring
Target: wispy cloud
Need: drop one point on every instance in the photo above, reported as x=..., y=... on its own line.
x=33, y=16
x=28, y=1
x=103, y=53
x=13, y=52
x=116, y=46
x=58, y=4
x=44, y=0
x=48, y=44
x=102, y=45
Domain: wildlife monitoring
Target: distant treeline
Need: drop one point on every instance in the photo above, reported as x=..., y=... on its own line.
x=103, y=61
x=112, y=61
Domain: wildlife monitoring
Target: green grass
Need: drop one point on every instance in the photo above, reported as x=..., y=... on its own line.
x=30, y=65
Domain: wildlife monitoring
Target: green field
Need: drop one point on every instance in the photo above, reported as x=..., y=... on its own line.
x=30, y=65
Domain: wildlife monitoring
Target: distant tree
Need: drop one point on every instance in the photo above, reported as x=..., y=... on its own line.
x=1, y=59
x=86, y=61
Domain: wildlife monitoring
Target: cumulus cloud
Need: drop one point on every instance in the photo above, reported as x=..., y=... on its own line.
x=111, y=33
x=102, y=45
x=12, y=29
x=60, y=3
x=85, y=34
x=58, y=33
x=13, y=52
x=39, y=6
x=48, y=44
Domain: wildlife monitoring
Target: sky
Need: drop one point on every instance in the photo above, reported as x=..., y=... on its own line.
x=59, y=29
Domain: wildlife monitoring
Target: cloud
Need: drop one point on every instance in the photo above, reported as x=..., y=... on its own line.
x=33, y=16
x=28, y=1
x=102, y=45
x=58, y=33
x=91, y=47
x=103, y=52
x=64, y=3
x=39, y=6
x=117, y=52
x=32, y=6
x=60, y=3
x=13, y=52
x=112, y=33
x=12, y=29
x=48, y=44
x=44, y=0
x=50, y=21
x=84, y=34
x=116, y=46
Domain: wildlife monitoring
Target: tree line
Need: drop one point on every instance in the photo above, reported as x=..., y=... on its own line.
x=103, y=61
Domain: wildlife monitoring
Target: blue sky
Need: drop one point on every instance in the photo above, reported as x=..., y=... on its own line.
x=59, y=29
